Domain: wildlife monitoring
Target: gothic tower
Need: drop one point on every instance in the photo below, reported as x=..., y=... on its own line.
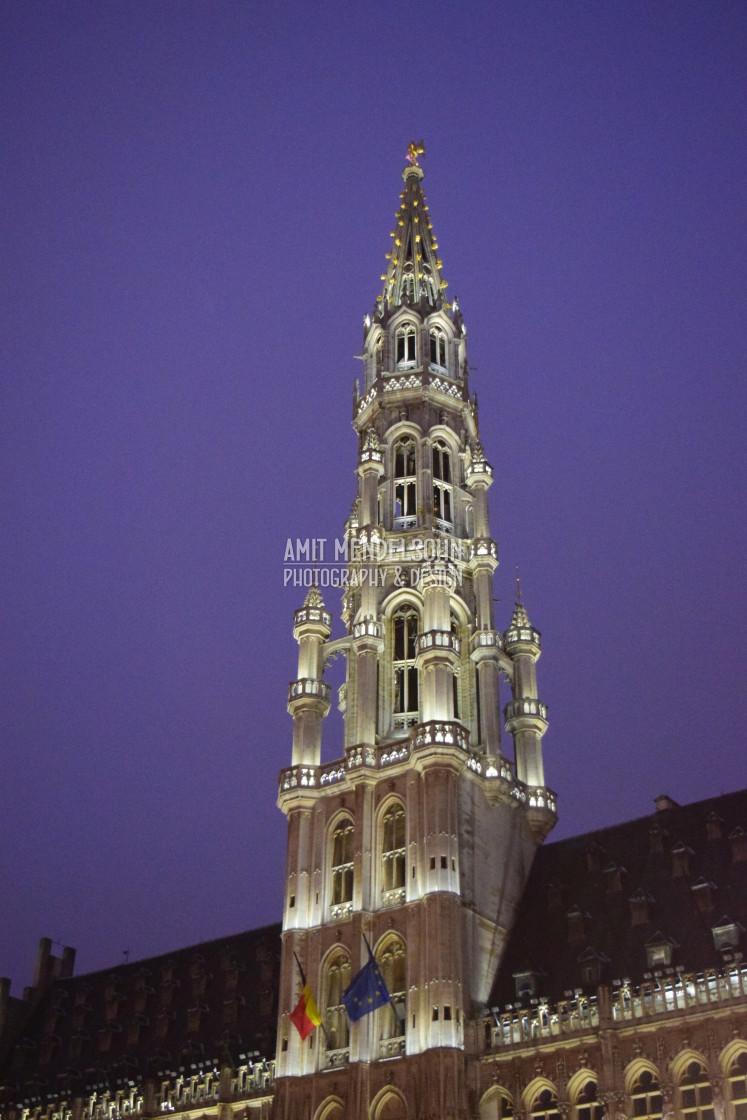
x=418, y=841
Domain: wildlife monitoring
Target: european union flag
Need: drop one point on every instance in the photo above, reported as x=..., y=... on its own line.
x=365, y=992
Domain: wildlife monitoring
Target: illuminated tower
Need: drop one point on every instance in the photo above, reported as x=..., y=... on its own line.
x=421, y=836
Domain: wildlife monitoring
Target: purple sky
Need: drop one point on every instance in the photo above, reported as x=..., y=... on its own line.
x=197, y=204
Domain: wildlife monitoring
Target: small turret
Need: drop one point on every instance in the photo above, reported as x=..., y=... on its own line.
x=308, y=695
x=526, y=715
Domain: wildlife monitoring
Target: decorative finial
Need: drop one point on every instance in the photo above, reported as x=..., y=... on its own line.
x=520, y=616
x=413, y=151
x=313, y=597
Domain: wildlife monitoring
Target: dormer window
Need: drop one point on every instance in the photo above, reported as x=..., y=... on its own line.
x=406, y=346
x=726, y=935
x=592, y=964
x=438, y=350
x=640, y=902
x=526, y=984
x=659, y=951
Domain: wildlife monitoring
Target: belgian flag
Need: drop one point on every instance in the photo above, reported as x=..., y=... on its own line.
x=305, y=1015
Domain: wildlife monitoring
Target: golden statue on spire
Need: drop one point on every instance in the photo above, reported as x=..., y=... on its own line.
x=413, y=151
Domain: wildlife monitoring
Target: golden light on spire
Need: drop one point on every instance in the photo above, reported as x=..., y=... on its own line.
x=415, y=149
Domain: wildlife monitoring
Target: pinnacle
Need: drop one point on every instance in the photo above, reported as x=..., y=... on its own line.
x=520, y=616
x=313, y=598
x=413, y=276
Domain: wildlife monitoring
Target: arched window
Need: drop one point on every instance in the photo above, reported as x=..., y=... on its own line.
x=545, y=1105
x=330, y=1109
x=389, y=1106
x=341, y=868
x=406, y=691
x=496, y=1105
x=392, y=962
x=379, y=355
x=336, y=980
x=645, y=1095
x=696, y=1094
x=455, y=680
x=587, y=1105
x=427, y=286
x=438, y=350
x=393, y=855
x=737, y=1079
x=443, y=494
x=405, y=485
x=406, y=339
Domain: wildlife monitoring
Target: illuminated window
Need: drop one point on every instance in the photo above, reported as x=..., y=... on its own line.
x=405, y=485
x=406, y=345
x=392, y=961
x=443, y=496
x=587, y=1105
x=696, y=1095
x=737, y=1079
x=406, y=693
x=645, y=1095
x=336, y=980
x=545, y=1105
x=438, y=349
x=393, y=855
x=342, y=868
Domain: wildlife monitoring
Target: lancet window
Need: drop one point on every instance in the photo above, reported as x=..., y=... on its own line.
x=406, y=625
x=443, y=492
x=393, y=855
x=342, y=868
x=392, y=961
x=696, y=1094
x=645, y=1095
x=406, y=341
x=587, y=1105
x=737, y=1079
x=456, y=678
x=438, y=350
x=545, y=1105
x=336, y=980
x=405, y=485
x=496, y=1105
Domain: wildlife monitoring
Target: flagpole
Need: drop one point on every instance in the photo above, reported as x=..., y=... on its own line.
x=399, y=1021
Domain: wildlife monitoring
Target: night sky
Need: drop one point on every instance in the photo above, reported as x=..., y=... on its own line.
x=197, y=202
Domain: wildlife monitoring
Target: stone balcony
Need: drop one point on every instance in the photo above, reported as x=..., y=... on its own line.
x=669, y=995
x=526, y=706
x=308, y=687
x=439, y=640
x=498, y=773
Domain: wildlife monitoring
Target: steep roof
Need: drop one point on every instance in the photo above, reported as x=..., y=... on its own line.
x=605, y=905
x=414, y=272
x=203, y=1006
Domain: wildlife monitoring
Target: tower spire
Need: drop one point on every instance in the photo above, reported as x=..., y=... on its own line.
x=414, y=272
